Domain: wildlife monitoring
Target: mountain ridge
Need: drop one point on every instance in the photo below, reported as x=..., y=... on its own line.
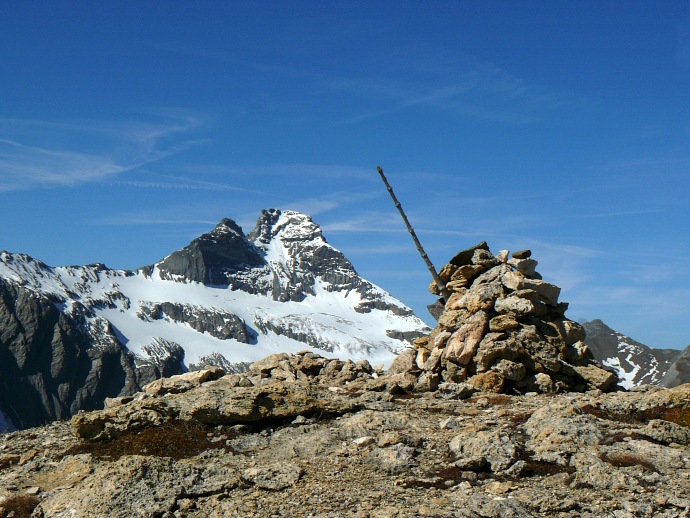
x=225, y=299
x=635, y=362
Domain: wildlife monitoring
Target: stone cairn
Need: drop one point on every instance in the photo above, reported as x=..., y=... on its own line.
x=502, y=330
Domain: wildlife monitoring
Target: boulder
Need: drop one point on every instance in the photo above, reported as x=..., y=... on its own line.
x=502, y=323
x=182, y=382
x=476, y=449
x=522, y=254
x=463, y=343
x=465, y=256
x=597, y=377
x=515, y=306
x=213, y=403
x=490, y=381
x=524, y=266
x=268, y=364
x=404, y=362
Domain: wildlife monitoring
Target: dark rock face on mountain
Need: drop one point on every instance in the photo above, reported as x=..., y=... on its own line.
x=53, y=364
x=72, y=336
x=216, y=323
x=211, y=258
x=635, y=363
x=679, y=371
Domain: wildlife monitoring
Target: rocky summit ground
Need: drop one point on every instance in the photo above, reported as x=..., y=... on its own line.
x=302, y=435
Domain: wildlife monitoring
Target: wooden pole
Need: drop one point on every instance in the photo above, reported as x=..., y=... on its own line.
x=445, y=293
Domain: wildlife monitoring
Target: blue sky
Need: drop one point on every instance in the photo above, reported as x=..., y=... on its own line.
x=129, y=128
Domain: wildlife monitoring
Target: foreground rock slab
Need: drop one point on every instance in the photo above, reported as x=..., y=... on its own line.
x=216, y=403
x=367, y=448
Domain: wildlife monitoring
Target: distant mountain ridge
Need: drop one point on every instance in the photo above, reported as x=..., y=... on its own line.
x=635, y=363
x=71, y=336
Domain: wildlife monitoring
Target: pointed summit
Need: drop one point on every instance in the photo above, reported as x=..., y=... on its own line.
x=290, y=224
x=212, y=256
x=262, y=230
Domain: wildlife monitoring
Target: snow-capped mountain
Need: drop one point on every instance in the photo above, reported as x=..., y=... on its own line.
x=635, y=363
x=77, y=334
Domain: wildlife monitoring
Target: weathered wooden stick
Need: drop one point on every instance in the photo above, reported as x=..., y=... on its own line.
x=445, y=293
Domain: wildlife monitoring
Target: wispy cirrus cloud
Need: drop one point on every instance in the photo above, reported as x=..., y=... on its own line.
x=181, y=183
x=466, y=86
x=41, y=154
x=621, y=213
x=369, y=221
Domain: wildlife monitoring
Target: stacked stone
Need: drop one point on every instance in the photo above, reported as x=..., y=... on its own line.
x=502, y=330
x=310, y=367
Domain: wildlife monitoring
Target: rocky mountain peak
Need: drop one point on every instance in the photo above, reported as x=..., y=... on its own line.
x=227, y=225
x=209, y=258
x=290, y=225
x=263, y=230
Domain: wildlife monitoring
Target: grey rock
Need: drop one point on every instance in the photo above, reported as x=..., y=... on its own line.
x=219, y=324
x=510, y=370
x=397, y=458
x=454, y=391
x=503, y=322
x=525, y=266
x=183, y=382
x=404, y=362
x=463, y=343
x=269, y=363
x=516, y=306
x=547, y=291
x=485, y=506
x=156, y=482
x=502, y=256
x=558, y=431
x=212, y=403
x=482, y=296
x=679, y=371
x=667, y=432
x=274, y=477
x=362, y=442
x=476, y=448
x=465, y=256
x=427, y=382
x=596, y=377
x=484, y=258
x=449, y=423
x=522, y=254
